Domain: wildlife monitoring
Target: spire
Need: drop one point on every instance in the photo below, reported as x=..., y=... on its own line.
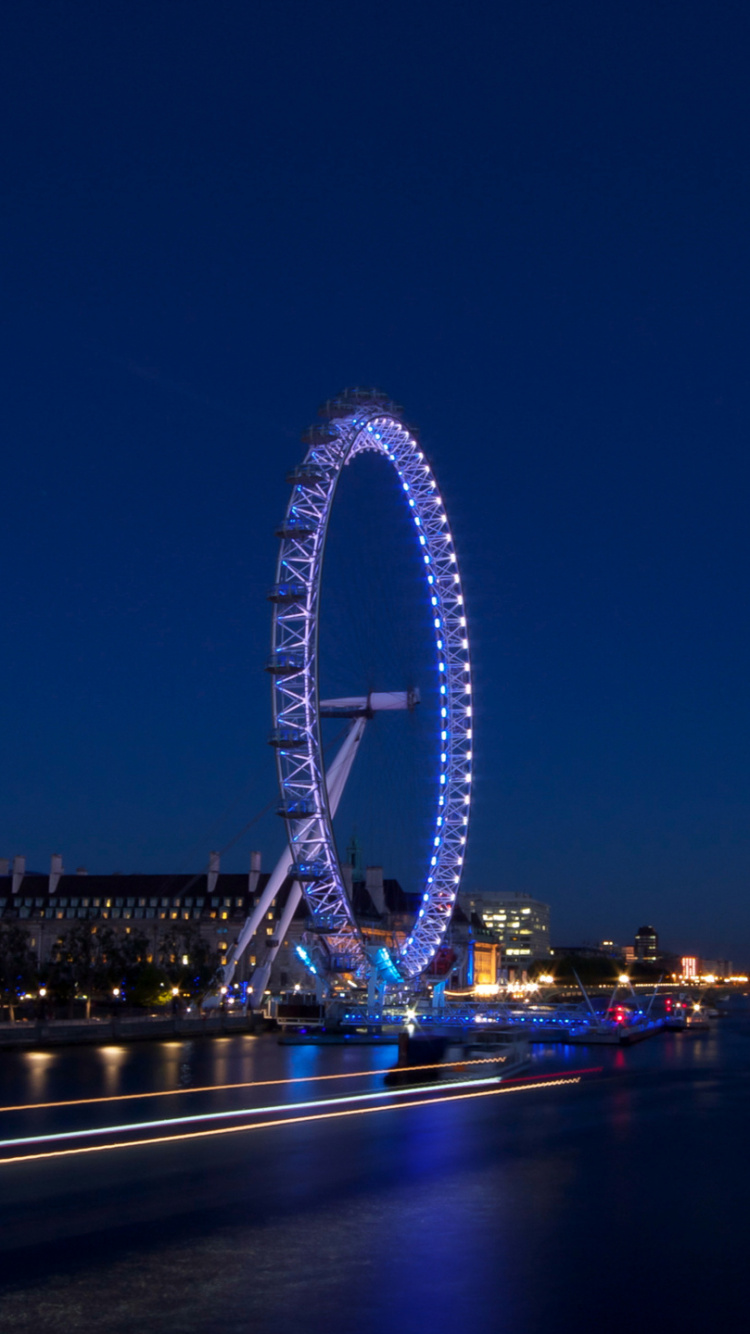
x=354, y=859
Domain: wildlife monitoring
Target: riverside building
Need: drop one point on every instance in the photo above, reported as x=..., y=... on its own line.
x=519, y=922
x=212, y=905
x=170, y=912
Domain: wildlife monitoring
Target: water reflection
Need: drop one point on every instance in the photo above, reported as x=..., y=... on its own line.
x=112, y=1059
x=39, y=1063
x=506, y=1212
x=186, y=1065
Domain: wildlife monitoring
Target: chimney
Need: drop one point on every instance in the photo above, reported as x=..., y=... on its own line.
x=81, y=870
x=4, y=866
x=214, y=862
x=374, y=886
x=19, y=871
x=254, y=877
x=55, y=871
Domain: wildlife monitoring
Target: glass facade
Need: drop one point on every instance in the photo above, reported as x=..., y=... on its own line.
x=520, y=923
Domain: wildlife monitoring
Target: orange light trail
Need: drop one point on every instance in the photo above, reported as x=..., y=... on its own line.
x=287, y=1121
x=248, y=1084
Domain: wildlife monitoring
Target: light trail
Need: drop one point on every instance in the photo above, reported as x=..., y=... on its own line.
x=287, y=1121
x=133, y=1126
x=247, y=1084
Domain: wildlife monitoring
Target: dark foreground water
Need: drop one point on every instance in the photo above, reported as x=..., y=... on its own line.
x=616, y=1204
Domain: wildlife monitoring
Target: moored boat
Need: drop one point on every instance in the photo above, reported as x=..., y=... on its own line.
x=459, y=1056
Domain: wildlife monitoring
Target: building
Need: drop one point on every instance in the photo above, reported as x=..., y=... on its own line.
x=483, y=956
x=519, y=922
x=646, y=945
x=691, y=966
x=170, y=911
x=161, y=908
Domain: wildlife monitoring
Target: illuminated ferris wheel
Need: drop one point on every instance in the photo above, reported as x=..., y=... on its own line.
x=354, y=422
x=357, y=421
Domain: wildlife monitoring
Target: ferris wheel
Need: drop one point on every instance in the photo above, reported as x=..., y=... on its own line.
x=357, y=421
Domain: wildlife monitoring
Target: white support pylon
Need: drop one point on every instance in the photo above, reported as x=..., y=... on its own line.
x=259, y=979
x=335, y=783
x=360, y=709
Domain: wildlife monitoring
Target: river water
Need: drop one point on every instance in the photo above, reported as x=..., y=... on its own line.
x=618, y=1202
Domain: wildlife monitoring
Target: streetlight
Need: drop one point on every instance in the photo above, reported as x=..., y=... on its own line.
x=623, y=978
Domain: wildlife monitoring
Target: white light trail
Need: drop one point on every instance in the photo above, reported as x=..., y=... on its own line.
x=287, y=1121
x=131, y=1127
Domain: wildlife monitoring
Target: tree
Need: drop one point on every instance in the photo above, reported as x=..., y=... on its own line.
x=85, y=960
x=17, y=963
x=130, y=954
x=151, y=987
x=183, y=942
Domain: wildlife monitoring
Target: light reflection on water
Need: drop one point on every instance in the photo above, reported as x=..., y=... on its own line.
x=112, y=1060
x=39, y=1063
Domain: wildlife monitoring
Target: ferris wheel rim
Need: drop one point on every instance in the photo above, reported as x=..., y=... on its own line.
x=355, y=422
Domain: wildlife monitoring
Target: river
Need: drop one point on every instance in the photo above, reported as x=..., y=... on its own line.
x=616, y=1201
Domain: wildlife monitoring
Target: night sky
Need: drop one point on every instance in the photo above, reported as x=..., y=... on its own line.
x=528, y=222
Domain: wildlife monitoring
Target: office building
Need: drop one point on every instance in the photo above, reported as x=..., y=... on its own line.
x=520, y=923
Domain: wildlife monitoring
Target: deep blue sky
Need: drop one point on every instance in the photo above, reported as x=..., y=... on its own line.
x=529, y=223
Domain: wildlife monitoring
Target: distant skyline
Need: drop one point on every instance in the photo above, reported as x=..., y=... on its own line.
x=529, y=225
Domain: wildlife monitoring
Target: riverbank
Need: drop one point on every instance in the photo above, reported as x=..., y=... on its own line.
x=74, y=1032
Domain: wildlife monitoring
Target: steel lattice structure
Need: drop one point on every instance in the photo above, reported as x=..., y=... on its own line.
x=355, y=421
